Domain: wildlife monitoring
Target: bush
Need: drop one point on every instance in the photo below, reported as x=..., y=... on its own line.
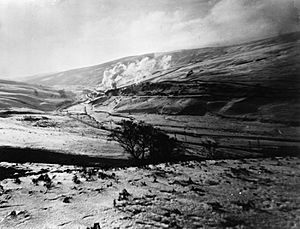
x=76, y=180
x=210, y=146
x=143, y=141
x=62, y=93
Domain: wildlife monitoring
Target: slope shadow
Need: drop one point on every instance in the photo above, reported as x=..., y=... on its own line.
x=23, y=155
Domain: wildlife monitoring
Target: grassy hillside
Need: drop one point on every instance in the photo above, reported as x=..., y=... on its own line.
x=256, y=80
x=22, y=95
x=254, y=62
x=89, y=77
x=253, y=81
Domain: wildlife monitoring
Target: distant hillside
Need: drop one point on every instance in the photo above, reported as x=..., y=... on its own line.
x=242, y=61
x=254, y=81
x=14, y=95
x=89, y=77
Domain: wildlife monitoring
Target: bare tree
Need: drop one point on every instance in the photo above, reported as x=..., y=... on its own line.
x=143, y=141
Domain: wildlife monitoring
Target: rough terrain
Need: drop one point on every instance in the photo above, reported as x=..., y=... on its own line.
x=250, y=193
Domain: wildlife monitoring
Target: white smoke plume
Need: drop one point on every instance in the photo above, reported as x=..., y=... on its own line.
x=165, y=62
x=134, y=72
x=111, y=75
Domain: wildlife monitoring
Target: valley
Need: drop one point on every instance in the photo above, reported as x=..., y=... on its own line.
x=243, y=98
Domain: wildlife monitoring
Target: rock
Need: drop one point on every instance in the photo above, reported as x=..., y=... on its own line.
x=96, y=226
x=132, y=169
x=67, y=199
x=211, y=182
x=216, y=206
x=17, y=180
x=151, y=167
x=13, y=214
x=176, y=211
x=76, y=180
x=1, y=190
x=246, y=206
x=198, y=190
x=155, y=217
x=124, y=195
x=190, y=181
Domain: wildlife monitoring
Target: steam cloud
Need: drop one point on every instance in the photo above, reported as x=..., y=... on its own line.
x=134, y=72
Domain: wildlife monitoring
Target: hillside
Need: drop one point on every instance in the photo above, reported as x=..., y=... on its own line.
x=253, y=81
x=17, y=95
x=255, y=62
x=88, y=77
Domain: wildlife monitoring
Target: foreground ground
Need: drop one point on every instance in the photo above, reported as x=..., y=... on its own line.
x=250, y=193
x=242, y=193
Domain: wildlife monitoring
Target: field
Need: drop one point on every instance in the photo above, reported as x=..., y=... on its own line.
x=22, y=96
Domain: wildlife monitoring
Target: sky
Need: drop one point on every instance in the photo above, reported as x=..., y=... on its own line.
x=42, y=36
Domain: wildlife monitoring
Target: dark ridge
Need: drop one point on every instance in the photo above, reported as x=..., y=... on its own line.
x=23, y=155
x=295, y=123
x=29, y=155
x=8, y=113
x=11, y=172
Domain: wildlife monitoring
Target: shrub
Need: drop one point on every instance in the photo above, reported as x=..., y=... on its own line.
x=62, y=93
x=96, y=226
x=75, y=179
x=45, y=178
x=210, y=147
x=17, y=180
x=143, y=141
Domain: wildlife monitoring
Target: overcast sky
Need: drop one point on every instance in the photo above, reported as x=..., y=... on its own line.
x=39, y=36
